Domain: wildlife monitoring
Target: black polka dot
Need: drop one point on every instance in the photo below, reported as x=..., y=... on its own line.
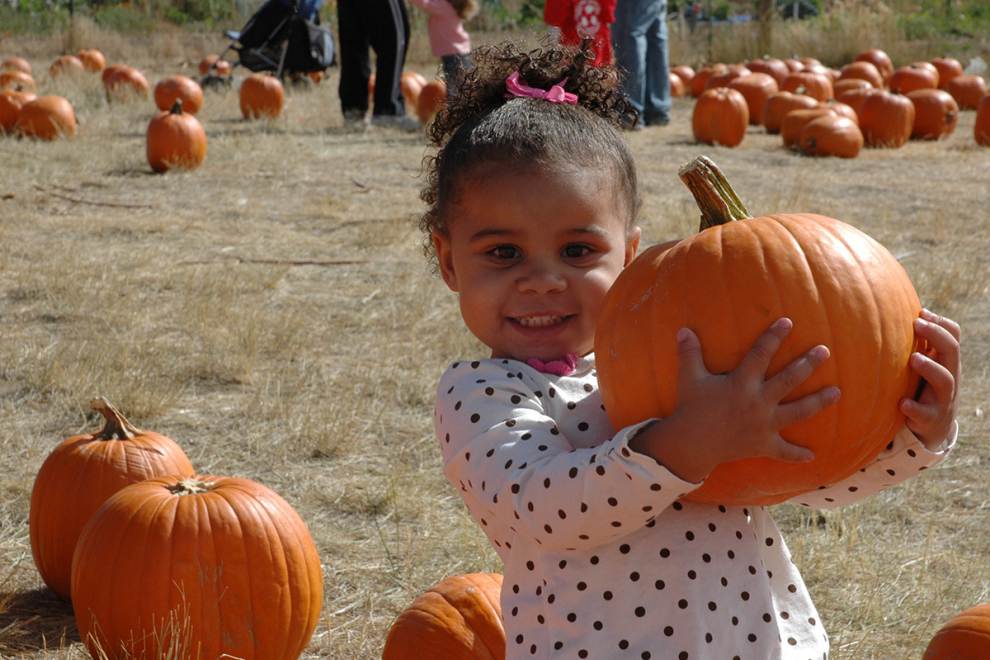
x=640, y=611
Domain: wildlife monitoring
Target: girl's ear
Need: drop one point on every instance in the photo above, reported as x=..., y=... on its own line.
x=632, y=245
x=445, y=259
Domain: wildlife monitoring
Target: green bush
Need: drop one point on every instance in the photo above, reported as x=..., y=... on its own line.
x=123, y=19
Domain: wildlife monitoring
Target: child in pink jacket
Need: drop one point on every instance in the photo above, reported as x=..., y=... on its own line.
x=448, y=38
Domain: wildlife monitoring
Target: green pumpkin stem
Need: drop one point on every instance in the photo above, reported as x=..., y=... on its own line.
x=718, y=202
x=117, y=427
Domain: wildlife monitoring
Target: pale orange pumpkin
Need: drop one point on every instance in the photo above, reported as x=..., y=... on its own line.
x=815, y=270
x=886, y=119
x=831, y=135
x=432, y=97
x=15, y=64
x=677, y=86
x=228, y=558
x=720, y=116
x=756, y=88
x=936, y=114
x=966, y=636
x=175, y=139
x=411, y=84
x=69, y=65
x=11, y=102
x=459, y=618
x=92, y=60
x=46, y=118
x=124, y=83
x=686, y=74
x=780, y=104
x=179, y=88
x=80, y=474
x=17, y=79
x=261, y=96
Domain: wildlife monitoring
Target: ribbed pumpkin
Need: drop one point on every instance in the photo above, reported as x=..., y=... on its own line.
x=432, y=97
x=796, y=120
x=981, y=128
x=92, y=60
x=771, y=66
x=46, y=118
x=935, y=114
x=459, y=618
x=907, y=79
x=11, y=102
x=842, y=110
x=720, y=116
x=13, y=79
x=80, y=474
x=862, y=71
x=831, y=135
x=886, y=119
x=261, y=96
x=756, y=88
x=66, y=65
x=699, y=83
x=728, y=283
x=175, y=139
x=855, y=98
x=723, y=77
x=782, y=103
x=879, y=59
x=967, y=90
x=227, y=557
x=848, y=84
x=815, y=85
x=965, y=636
x=948, y=68
x=124, y=83
x=170, y=89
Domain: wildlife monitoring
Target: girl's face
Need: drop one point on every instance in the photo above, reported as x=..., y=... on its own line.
x=531, y=255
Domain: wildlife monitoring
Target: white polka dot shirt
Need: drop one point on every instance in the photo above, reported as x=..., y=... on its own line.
x=601, y=557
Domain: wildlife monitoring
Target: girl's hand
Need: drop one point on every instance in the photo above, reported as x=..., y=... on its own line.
x=930, y=415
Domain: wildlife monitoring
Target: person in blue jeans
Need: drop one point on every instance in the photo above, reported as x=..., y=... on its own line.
x=639, y=38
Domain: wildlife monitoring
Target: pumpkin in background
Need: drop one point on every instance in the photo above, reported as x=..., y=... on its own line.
x=432, y=98
x=459, y=618
x=699, y=83
x=981, y=128
x=965, y=636
x=685, y=73
x=261, y=96
x=66, y=65
x=11, y=102
x=756, y=88
x=842, y=110
x=411, y=84
x=879, y=59
x=967, y=91
x=124, y=83
x=793, y=65
x=948, y=68
x=14, y=79
x=15, y=64
x=817, y=271
x=82, y=472
x=92, y=60
x=175, y=139
x=677, y=86
x=795, y=121
x=886, y=119
x=723, y=77
x=771, y=66
x=229, y=559
x=831, y=135
x=782, y=103
x=935, y=114
x=213, y=65
x=844, y=85
x=720, y=116
x=46, y=118
x=907, y=79
x=862, y=71
x=179, y=88
x=855, y=98
x=815, y=85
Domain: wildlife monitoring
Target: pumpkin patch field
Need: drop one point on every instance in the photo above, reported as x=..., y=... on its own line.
x=266, y=305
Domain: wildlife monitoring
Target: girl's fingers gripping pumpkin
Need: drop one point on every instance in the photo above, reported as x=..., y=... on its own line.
x=756, y=362
x=943, y=335
x=943, y=321
x=798, y=371
x=806, y=407
x=692, y=363
x=783, y=450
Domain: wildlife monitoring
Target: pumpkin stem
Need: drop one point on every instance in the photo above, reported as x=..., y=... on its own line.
x=117, y=427
x=176, y=107
x=717, y=200
x=191, y=486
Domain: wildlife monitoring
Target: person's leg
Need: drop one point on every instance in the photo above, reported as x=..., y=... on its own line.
x=454, y=68
x=388, y=31
x=629, y=41
x=355, y=64
x=657, y=97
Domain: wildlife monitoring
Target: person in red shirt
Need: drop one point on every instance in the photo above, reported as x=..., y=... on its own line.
x=580, y=19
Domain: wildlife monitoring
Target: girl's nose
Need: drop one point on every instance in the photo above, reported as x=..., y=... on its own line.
x=541, y=278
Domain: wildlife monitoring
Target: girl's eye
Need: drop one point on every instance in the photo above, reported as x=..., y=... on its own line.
x=576, y=251
x=504, y=252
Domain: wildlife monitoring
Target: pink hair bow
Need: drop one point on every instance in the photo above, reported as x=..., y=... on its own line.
x=555, y=94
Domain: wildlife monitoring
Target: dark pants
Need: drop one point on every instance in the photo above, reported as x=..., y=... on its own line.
x=384, y=26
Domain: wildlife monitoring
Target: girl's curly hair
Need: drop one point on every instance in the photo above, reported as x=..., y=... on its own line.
x=479, y=125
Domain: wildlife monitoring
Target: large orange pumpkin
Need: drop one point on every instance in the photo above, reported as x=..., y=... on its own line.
x=862, y=71
x=720, y=116
x=11, y=102
x=82, y=472
x=795, y=121
x=457, y=619
x=886, y=119
x=909, y=78
x=815, y=85
x=14, y=78
x=175, y=139
x=948, y=68
x=728, y=283
x=967, y=90
x=46, y=118
x=261, y=96
x=935, y=114
x=756, y=88
x=780, y=104
x=771, y=66
x=981, y=128
x=964, y=637
x=170, y=89
x=831, y=135
x=229, y=559
x=879, y=59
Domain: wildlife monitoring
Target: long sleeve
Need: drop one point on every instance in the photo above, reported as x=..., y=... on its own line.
x=507, y=451
x=904, y=457
x=557, y=12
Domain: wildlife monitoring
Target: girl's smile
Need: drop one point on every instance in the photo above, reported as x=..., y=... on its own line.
x=532, y=254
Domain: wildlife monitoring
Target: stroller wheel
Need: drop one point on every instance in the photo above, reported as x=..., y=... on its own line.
x=216, y=83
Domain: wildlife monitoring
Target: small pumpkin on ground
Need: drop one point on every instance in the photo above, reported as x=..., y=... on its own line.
x=862, y=71
x=432, y=98
x=66, y=65
x=936, y=114
x=817, y=271
x=699, y=83
x=795, y=121
x=720, y=116
x=886, y=119
x=948, y=68
x=771, y=66
x=82, y=472
x=175, y=139
x=459, y=618
x=831, y=135
x=907, y=79
x=815, y=85
x=879, y=59
x=213, y=65
x=46, y=118
x=11, y=102
x=16, y=78
x=725, y=76
x=174, y=88
x=967, y=90
x=15, y=63
x=965, y=636
x=124, y=83
x=677, y=86
x=756, y=88
x=261, y=97
x=780, y=104
x=92, y=60
x=227, y=557
x=686, y=73
x=411, y=84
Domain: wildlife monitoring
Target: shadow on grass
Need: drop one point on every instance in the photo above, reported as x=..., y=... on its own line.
x=31, y=621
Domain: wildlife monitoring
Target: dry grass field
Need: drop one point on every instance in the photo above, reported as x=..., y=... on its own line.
x=273, y=313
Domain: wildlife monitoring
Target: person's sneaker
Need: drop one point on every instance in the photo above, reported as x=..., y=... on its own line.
x=661, y=120
x=401, y=122
x=355, y=120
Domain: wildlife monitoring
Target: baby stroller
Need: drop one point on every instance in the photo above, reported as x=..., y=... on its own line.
x=284, y=37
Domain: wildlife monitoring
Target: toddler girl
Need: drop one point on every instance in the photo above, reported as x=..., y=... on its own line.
x=448, y=39
x=532, y=204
